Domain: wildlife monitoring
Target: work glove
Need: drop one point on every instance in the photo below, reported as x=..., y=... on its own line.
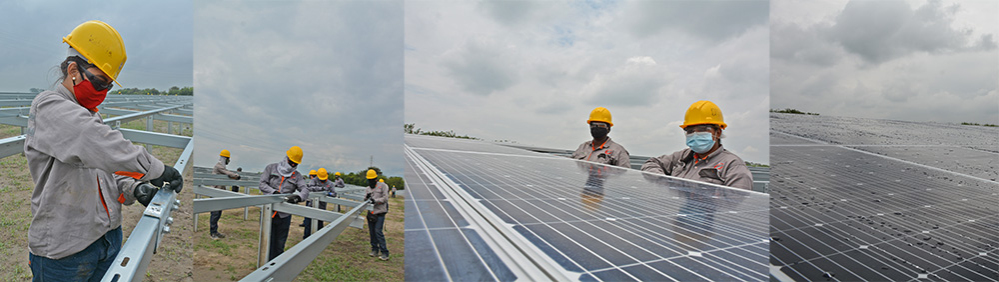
x=171, y=175
x=238, y=177
x=331, y=194
x=144, y=193
x=367, y=196
x=294, y=199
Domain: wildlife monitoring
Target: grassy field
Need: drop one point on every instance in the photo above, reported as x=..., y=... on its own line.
x=346, y=259
x=173, y=260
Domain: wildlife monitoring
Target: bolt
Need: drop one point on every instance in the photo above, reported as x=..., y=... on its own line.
x=169, y=220
x=166, y=229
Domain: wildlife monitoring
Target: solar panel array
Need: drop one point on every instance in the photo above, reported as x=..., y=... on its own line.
x=586, y=221
x=860, y=199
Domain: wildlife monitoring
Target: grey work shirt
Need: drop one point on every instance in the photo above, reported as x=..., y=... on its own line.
x=720, y=167
x=273, y=183
x=321, y=186
x=379, y=196
x=338, y=183
x=608, y=153
x=220, y=169
x=83, y=172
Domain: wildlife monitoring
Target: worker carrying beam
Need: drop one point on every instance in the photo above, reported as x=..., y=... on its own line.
x=705, y=159
x=219, y=168
x=601, y=149
x=282, y=178
x=377, y=192
x=322, y=184
x=84, y=170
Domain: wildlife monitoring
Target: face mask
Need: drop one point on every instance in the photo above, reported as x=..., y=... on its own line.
x=372, y=182
x=598, y=132
x=700, y=142
x=87, y=96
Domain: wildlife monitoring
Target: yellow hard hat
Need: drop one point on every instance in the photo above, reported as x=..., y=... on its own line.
x=703, y=112
x=381, y=180
x=600, y=114
x=101, y=45
x=295, y=154
x=312, y=172
x=337, y=173
x=224, y=153
x=323, y=175
x=372, y=174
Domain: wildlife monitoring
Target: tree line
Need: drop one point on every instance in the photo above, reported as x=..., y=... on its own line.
x=178, y=91
x=360, y=178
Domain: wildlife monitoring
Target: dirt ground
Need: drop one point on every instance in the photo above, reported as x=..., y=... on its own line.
x=172, y=262
x=346, y=259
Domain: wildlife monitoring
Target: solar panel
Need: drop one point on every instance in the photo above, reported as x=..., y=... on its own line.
x=880, y=208
x=576, y=220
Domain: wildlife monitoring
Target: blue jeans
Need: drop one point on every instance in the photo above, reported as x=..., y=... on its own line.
x=90, y=264
x=375, y=224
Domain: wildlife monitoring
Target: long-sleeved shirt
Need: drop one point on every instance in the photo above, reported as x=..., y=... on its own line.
x=719, y=167
x=607, y=153
x=379, y=196
x=220, y=169
x=83, y=172
x=338, y=183
x=271, y=182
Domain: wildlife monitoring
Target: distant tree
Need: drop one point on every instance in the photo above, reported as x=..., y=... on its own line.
x=408, y=129
x=36, y=90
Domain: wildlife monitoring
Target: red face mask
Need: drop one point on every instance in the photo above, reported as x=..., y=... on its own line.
x=87, y=95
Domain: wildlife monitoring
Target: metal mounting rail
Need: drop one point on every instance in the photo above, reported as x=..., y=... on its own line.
x=289, y=264
x=138, y=250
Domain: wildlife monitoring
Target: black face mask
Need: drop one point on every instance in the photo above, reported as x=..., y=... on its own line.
x=292, y=164
x=372, y=182
x=227, y=161
x=599, y=132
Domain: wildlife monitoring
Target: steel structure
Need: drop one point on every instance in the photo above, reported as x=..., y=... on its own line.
x=289, y=264
x=146, y=236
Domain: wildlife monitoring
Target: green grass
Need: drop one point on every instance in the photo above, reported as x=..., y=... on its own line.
x=976, y=124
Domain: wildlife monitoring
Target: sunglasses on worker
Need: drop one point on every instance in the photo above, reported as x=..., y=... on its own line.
x=99, y=83
x=699, y=128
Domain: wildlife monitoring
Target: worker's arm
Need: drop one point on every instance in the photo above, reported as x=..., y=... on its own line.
x=738, y=175
x=265, y=186
x=229, y=173
x=623, y=158
x=126, y=185
x=62, y=129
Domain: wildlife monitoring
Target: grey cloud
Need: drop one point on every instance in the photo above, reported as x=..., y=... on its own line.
x=269, y=82
x=710, y=20
x=480, y=67
x=879, y=31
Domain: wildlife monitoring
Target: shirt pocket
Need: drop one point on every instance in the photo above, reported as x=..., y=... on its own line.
x=710, y=175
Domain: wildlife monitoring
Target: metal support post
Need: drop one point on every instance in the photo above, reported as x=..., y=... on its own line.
x=315, y=204
x=246, y=210
x=263, y=253
x=149, y=127
x=196, y=215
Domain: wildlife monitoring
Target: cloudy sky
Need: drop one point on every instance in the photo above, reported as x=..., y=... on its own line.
x=906, y=60
x=531, y=71
x=323, y=75
x=157, y=39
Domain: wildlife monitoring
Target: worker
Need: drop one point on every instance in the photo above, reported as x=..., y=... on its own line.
x=393, y=191
x=338, y=182
x=84, y=170
x=308, y=202
x=282, y=178
x=220, y=169
x=601, y=149
x=705, y=159
x=322, y=184
x=377, y=192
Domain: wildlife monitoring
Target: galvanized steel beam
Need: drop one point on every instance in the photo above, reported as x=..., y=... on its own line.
x=289, y=264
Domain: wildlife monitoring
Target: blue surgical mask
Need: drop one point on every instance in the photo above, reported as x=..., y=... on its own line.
x=700, y=142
